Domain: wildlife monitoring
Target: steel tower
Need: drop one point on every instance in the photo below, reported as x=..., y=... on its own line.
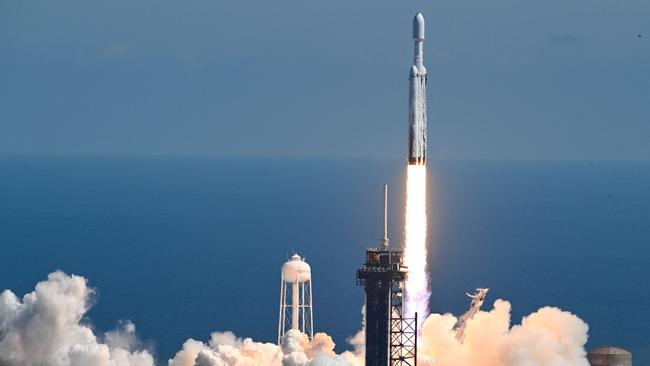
x=391, y=339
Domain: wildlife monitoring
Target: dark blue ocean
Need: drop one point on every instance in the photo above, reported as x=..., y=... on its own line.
x=186, y=246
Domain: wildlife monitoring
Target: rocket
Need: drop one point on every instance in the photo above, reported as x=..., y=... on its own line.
x=418, y=98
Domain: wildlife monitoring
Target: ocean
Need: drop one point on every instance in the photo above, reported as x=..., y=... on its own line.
x=183, y=246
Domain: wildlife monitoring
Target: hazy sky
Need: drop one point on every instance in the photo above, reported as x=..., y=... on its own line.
x=553, y=79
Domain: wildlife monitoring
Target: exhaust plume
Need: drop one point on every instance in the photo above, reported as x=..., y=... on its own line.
x=415, y=244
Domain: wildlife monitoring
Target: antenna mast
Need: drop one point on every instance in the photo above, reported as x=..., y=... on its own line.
x=384, y=240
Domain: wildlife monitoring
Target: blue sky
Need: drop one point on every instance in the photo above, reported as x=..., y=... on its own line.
x=555, y=79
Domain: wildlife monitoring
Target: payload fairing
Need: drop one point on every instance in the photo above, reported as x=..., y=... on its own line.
x=418, y=98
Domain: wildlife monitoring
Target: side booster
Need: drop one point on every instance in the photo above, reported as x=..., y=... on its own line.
x=418, y=98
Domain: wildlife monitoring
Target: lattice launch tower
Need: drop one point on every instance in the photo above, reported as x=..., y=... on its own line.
x=391, y=339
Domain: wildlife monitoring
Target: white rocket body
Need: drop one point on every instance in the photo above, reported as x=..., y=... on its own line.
x=418, y=98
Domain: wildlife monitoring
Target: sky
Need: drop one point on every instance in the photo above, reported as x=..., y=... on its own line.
x=508, y=79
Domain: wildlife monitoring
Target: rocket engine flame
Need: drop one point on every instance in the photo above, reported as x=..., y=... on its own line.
x=415, y=248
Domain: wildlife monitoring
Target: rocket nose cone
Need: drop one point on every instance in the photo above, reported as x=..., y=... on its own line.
x=414, y=71
x=418, y=27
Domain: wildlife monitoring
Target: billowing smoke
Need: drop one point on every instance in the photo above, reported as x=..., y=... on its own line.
x=225, y=349
x=547, y=337
x=45, y=328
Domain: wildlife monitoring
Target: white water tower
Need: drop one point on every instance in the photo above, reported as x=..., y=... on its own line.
x=295, y=298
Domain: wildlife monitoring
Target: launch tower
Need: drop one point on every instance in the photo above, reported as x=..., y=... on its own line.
x=391, y=339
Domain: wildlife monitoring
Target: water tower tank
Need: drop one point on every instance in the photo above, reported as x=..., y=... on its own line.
x=296, y=270
x=609, y=356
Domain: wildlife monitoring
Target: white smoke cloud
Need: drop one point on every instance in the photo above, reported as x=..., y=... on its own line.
x=44, y=329
x=547, y=337
x=225, y=349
